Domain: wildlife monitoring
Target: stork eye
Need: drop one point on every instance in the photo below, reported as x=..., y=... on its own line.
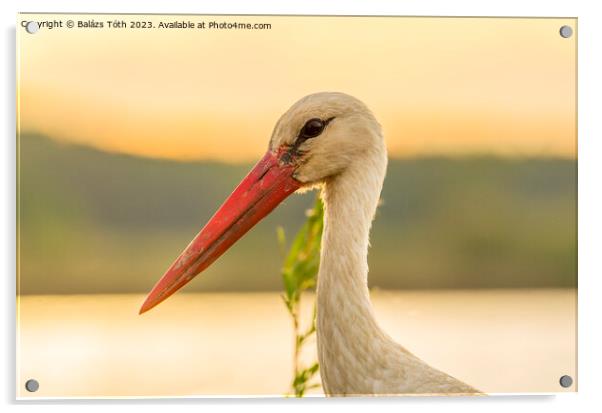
x=312, y=128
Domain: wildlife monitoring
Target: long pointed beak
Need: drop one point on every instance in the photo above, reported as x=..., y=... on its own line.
x=268, y=184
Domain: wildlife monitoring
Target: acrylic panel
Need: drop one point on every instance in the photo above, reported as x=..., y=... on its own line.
x=404, y=220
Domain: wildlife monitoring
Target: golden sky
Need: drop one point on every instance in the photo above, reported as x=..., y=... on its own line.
x=437, y=85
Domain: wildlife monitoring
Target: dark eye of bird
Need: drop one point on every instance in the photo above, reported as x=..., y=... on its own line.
x=312, y=128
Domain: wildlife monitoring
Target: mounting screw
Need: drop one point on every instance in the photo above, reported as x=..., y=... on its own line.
x=32, y=27
x=566, y=381
x=566, y=31
x=32, y=385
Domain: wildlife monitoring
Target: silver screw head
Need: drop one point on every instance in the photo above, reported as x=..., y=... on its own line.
x=566, y=31
x=32, y=27
x=32, y=385
x=566, y=381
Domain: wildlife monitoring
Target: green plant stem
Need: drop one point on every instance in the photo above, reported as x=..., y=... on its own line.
x=299, y=274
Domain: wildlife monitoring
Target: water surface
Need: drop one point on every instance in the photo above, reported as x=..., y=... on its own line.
x=499, y=341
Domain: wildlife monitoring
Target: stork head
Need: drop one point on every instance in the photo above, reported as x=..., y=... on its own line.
x=323, y=134
x=319, y=137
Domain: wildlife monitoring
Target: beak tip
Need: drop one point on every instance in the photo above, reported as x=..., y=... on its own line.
x=146, y=306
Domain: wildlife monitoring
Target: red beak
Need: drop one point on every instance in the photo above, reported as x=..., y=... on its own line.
x=268, y=184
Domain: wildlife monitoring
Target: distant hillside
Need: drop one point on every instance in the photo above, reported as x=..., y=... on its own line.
x=92, y=221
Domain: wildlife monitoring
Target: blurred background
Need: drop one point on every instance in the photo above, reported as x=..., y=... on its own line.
x=461, y=222
x=130, y=139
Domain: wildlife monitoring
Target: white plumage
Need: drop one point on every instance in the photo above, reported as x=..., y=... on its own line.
x=349, y=159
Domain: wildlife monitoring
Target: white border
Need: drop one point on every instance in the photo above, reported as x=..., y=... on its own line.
x=590, y=200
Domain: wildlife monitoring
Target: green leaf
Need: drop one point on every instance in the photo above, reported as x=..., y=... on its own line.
x=299, y=273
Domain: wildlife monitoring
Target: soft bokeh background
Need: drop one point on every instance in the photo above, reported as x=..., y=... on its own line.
x=461, y=222
x=130, y=139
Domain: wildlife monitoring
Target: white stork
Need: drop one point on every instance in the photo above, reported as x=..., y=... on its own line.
x=331, y=140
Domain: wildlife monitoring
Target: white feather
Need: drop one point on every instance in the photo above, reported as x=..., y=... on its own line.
x=349, y=160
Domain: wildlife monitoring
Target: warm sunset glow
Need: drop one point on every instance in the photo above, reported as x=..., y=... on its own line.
x=438, y=85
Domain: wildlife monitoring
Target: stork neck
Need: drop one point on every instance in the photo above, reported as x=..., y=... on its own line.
x=346, y=323
x=350, y=203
